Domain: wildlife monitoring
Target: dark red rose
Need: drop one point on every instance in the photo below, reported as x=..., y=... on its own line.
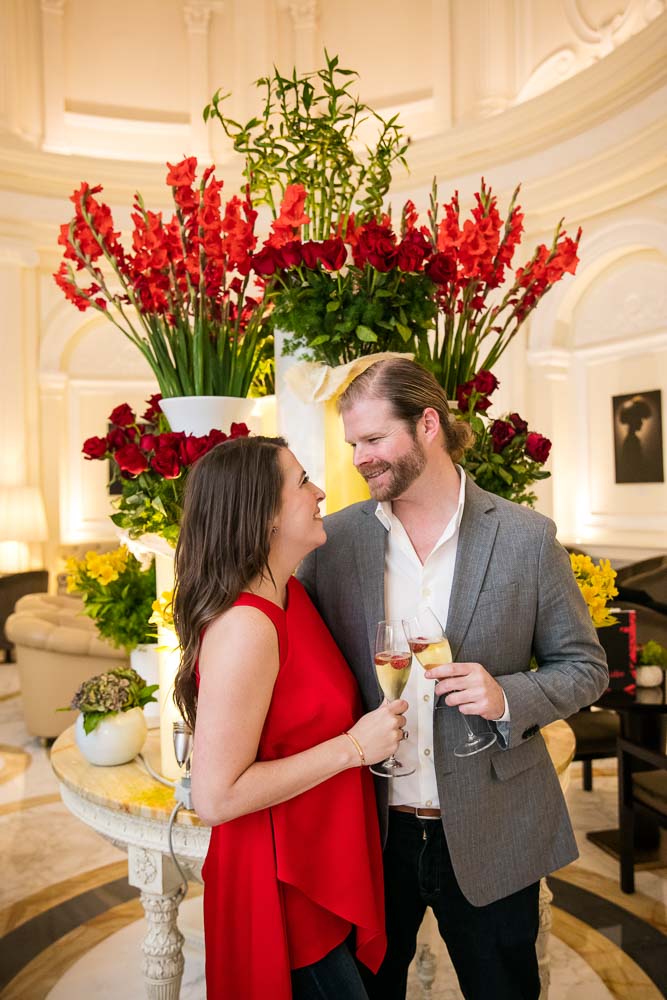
x=116, y=438
x=95, y=447
x=216, y=437
x=538, y=447
x=376, y=245
x=463, y=394
x=154, y=409
x=310, y=253
x=333, y=254
x=171, y=439
x=412, y=251
x=166, y=463
x=193, y=448
x=147, y=442
x=131, y=459
x=266, y=261
x=290, y=254
x=122, y=416
x=239, y=430
x=441, y=268
x=485, y=382
x=502, y=433
x=518, y=423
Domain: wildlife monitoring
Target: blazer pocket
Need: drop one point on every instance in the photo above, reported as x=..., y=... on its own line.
x=508, y=763
x=498, y=595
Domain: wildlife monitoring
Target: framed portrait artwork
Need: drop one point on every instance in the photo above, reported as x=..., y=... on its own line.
x=637, y=418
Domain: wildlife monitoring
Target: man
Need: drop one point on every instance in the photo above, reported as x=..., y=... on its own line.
x=470, y=837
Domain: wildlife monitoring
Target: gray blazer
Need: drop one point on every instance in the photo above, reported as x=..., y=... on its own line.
x=513, y=596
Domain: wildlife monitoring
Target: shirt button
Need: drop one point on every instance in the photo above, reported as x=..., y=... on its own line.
x=427, y=697
x=429, y=802
x=427, y=752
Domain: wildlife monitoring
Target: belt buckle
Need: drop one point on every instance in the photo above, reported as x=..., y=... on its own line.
x=417, y=809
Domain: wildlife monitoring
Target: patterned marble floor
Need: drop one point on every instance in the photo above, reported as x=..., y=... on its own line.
x=72, y=927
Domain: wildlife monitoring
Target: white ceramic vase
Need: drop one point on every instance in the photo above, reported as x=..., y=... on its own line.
x=144, y=658
x=201, y=414
x=649, y=676
x=117, y=739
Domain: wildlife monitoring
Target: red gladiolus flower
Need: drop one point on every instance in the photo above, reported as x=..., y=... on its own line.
x=122, y=416
x=538, y=447
x=518, y=423
x=502, y=433
x=183, y=173
x=94, y=447
x=485, y=382
x=291, y=218
x=131, y=459
x=166, y=463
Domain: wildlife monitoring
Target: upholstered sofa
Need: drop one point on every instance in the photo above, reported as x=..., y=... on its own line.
x=57, y=648
x=12, y=587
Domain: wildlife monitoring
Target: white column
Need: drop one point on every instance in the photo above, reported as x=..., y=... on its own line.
x=197, y=15
x=304, y=26
x=549, y=407
x=161, y=893
x=496, y=56
x=441, y=49
x=53, y=74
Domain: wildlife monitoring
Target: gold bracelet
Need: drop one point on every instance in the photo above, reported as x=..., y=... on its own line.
x=358, y=746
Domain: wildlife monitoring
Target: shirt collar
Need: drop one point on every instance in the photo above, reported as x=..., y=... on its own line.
x=385, y=515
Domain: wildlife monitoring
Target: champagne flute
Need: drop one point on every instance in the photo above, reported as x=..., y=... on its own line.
x=427, y=640
x=392, y=665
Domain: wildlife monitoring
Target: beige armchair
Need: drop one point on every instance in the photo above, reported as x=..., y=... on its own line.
x=57, y=648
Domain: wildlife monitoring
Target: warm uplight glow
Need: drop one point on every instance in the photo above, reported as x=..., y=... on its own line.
x=22, y=520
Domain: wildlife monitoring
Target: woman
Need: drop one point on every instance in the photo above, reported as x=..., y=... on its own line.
x=294, y=866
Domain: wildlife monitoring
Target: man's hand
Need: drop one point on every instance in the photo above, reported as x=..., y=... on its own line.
x=470, y=687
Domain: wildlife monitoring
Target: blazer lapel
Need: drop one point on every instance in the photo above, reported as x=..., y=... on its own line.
x=369, y=557
x=477, y=533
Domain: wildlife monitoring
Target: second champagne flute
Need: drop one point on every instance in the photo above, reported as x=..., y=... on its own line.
x=427, y=640
x=392, y=666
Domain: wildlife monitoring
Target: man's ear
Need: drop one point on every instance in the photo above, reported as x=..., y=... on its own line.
x=431, y=423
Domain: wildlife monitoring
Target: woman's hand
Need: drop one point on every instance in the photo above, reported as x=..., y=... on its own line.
x=380, y=732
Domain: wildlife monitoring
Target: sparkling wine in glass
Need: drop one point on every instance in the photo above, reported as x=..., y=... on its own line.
x=427, y=640
x=392, y=666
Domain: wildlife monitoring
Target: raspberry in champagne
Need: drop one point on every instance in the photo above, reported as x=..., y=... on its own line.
x=392, y=670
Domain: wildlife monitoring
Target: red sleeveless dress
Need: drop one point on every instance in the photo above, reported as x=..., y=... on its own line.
x=286, y=885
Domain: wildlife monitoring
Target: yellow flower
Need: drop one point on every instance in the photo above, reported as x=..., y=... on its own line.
x=596, y=583
x=163, y=612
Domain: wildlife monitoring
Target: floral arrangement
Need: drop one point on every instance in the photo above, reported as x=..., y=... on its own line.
x=151, y=464
x=118, y=690
x=117, y=594
x=163, y=610
x=506, y=458
x=183, y=294
x=361, y=291
x=652, y=654
x=309, y=133
x=473, y=260
x=596, y=583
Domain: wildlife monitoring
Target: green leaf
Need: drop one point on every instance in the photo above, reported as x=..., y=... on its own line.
x=366, y=334
x=333, y=306
x=322, y=339
x=91, y=720
x=404, y=331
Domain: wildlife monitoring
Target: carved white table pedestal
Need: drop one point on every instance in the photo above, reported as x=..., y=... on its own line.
x=131, y=809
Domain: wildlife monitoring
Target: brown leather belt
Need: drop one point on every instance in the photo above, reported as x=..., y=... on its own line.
x=418, y=812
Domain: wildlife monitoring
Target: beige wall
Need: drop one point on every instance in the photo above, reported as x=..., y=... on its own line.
x=567, y=97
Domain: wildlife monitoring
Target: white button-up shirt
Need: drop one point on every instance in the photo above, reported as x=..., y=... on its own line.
x=409, y=587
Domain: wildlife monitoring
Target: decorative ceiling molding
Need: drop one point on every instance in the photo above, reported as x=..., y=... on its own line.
x=197, y=14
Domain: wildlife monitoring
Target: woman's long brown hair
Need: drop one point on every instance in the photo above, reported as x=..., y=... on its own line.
x=231, y=498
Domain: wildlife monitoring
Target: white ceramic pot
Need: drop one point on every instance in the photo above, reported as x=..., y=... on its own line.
x=201, y=414
x=649, y=676
x=144, y=658
x=117, y=739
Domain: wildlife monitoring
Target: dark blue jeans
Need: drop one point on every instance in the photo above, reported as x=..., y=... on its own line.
x=491, y=947
x=334, y=977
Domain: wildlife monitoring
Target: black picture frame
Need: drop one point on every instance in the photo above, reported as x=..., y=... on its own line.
x=637, y=422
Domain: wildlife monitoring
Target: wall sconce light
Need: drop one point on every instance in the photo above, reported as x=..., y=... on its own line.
x=22, y=521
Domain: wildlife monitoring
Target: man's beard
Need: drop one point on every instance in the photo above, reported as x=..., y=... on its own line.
x=402, y=474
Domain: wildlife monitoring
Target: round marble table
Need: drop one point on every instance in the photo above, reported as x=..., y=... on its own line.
x=131, y=809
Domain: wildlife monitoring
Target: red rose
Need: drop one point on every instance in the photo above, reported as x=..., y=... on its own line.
x=290, y=254
x=95, y=447
x=463, y=394
x=502, y=433
x=131, y=459
x=122, y=416
x=154, y=410
x=116, y=439
x=333, y=254
x=485, y=382
x=441, y=268
x=147, y=442
x=239, y=430
x=193, y=448
x=172, y=439
x=538, y=447
x=376, y=245
x=166, y=463
x=412, y=251
x=266, y=261
x=518, y=423
x=216, y=437
x=310, y=252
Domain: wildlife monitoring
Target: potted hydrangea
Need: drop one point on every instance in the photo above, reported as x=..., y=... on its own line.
x=651, y=664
